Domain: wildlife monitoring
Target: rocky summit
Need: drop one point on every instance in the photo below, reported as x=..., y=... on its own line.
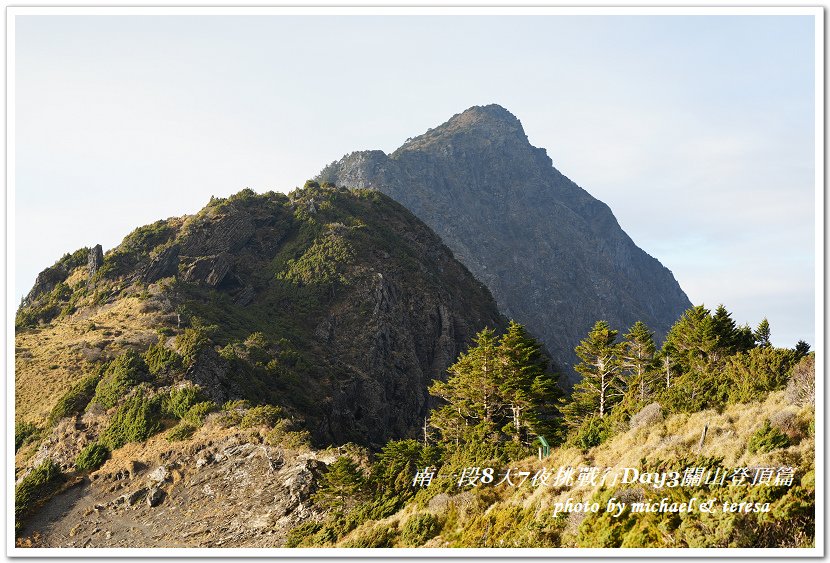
x=553, y=256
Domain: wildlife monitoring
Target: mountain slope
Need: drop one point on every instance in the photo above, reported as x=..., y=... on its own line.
x=340, y=306
x=554, y=257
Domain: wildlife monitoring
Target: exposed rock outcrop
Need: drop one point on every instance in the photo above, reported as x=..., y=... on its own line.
x=95, y=260
x=165, y=264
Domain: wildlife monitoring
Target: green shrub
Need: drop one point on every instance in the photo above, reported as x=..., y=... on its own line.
x=322, y=263
x=284, y=434
x=75, y=400
x=592, y=433
x=44, y=480
x=767, y=438
x=192, y=341
x=191, y=421
x=301, y=533
x=753, y=374
x=342, y=484
x=25, y=433
x=419, y=529
x=197, y=413
x=135, y=420
x=45, y=308
x=182, y=431
x=379, y=536
x=160, y=358
x=262, y=415
x=180, y=399
x=123, y=373
x=238, y=404
x=232, y=412
x=92, y=457
x=256, y=347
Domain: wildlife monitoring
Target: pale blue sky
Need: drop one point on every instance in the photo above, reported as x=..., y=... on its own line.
x=697, y=131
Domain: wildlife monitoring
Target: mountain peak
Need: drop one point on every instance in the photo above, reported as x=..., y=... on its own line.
x=492, y=113
x=553, y=256
x=486, y=123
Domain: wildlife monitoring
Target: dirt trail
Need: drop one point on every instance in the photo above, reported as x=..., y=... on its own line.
x=217, y=493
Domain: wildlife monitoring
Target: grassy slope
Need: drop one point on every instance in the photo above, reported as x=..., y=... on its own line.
x=523, y=516
x=52, y=357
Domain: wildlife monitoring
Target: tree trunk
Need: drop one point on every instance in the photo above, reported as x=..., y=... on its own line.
x=602, y=396
x=517, y=422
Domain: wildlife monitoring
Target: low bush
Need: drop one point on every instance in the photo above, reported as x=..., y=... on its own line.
x=286, y=435
x=35, y=487
x=192, y=341
x=180, y=399
x=123, y=373
x=301, y=533
x=262, y=415
x=92, y=457
x=379, y=536
x=592, y=433
x=136, y=419
x=789, y=423
x=766, y=439
x=182, y=431
x=74, y=401
x=419, y=529
x=25, y=433
x=801, y=387
x=649, y=415
x=232, y=412
x=160, y=358
x=197, y=413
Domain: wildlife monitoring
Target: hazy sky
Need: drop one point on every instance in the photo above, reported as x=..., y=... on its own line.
x=697, y=131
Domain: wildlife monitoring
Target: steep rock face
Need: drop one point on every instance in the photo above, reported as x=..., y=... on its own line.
x=553, y=256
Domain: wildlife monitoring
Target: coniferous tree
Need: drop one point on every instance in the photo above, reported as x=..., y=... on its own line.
x=637, y=362
x=725, y=327
x=343, y=481
x=744, y=339
x=731, y=338
x=472, y=390
x=498, y=386
x=762, y=334
x=699, y=345
x=600, y=386
x=525, y=384
x=801, y=349
x=692, y=339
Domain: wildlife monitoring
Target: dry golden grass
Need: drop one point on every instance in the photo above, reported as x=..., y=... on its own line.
x=157, y=448
x=51, y=358
x=677, y=437
x=680, y=435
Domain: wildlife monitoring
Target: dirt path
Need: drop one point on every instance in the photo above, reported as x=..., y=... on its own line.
x=226, y=494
